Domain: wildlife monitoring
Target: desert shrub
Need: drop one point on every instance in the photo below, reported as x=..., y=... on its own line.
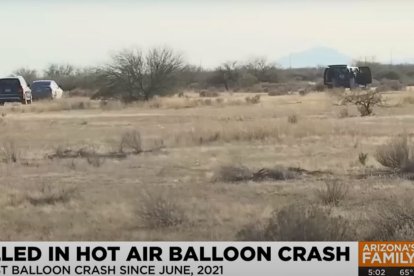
x=247, y=80
x=159, y=210
x=207, y=102
x=95, y=160
x=219, y=101
x=333, y=193
x=63, y=152
x=88, y=152
x=9, y=152
x=72, y=164
x=59, y=151
x=343, y=113
x=232, y=173
x=394, y=221
x=301, y=222
x=362, y=157
x=78, y=92
x=276, y=93
x=308, y=223
x=389, y=75
x=319, y=87
x=292, y=119
x=255, y=231
x=155, y=103
x=396, y=85
x=389, y=85
x=209, y=94
x=303, y=91
x=395, y=154
x=408, y=100
x=80, y=105
x=110, y=105
x=49, y=195
x=253, y=100
x=131, y=140
x=278, y=89
x=277, y=173
x=365, y=100
x=405, y=232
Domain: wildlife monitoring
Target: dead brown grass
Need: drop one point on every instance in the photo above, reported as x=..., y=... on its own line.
x=333, y=193
x=131, y=140
x=9, y=152
x=394, y=221
x=50, y=195
x=194, y=140
x=395, y=154
x=292, y=119
x=301, y=222
x=230, y=173
x=156, y=209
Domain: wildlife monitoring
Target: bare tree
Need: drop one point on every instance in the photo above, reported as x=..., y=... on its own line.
x=230, y=71
x=28, y=74
x=263, y=70
x=63, y=74
x=133, y=75
x=59, y=70
x=226, y=74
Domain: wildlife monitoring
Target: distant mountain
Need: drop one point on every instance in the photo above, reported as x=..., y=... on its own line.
x=319, y=56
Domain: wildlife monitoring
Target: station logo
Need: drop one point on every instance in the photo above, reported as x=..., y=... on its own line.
x=386, y=258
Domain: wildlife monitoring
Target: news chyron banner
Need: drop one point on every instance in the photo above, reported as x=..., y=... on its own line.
x=207, y=258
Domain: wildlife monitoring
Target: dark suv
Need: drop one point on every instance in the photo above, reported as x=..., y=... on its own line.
x=347, y=76
x=15, y=89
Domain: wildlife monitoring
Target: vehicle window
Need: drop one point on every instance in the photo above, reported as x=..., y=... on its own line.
x=9, y=82
x=41, y=83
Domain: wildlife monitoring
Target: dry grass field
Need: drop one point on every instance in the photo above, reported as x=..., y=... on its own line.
x=191, y=168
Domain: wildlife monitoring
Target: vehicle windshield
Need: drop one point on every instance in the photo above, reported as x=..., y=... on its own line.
x=9, y=82
x=41, y=83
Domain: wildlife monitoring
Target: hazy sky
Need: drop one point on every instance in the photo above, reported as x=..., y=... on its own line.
x=36, y=33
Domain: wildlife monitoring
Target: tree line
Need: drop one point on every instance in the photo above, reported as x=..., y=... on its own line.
x=137, y=75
